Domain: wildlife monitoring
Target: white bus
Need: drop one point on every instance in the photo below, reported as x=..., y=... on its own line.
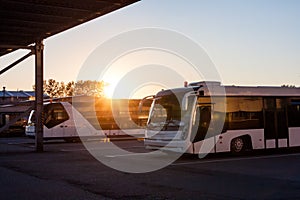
x=199, y=118
x=93, y=119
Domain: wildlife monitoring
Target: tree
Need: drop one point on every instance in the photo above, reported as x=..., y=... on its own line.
x=289, y=86
x=55, y=89
x=69, y=90
x=52, y=88
x=90, y=88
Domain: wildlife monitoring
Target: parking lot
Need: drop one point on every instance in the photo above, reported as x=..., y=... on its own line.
x=69, y=171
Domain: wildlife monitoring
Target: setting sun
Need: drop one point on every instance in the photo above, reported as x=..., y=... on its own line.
x=110, y=90
x=109, y=87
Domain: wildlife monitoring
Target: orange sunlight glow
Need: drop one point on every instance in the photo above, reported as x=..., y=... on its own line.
x=109, y=87
x=126, y=64
x=138, y=93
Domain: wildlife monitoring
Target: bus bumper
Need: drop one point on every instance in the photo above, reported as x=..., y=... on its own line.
x=175, y=146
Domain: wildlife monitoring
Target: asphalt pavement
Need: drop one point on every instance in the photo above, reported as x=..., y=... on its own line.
x=69, y=171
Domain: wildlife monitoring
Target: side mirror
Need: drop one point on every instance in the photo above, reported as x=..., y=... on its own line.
x=185, y=102
x=195, y=92
x=142, y=101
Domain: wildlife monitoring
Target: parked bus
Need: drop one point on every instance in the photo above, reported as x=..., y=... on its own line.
x=199, y=118
x=93, y=117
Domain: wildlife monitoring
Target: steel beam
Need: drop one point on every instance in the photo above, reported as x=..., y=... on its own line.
x=15, y=63
x=39, y=77
x=12, y=46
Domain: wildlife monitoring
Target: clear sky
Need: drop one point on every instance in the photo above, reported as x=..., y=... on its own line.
x=251, y=42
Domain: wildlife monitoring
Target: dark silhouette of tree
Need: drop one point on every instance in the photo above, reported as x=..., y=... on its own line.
x=52, y=88
x=89, y=88
x=69, y=90
x=289, y=86
x=55, y=89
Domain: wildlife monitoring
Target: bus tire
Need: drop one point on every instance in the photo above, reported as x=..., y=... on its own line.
x=238, y=145
x=241, y=144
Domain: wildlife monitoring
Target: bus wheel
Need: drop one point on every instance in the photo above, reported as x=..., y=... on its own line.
x=237, y=145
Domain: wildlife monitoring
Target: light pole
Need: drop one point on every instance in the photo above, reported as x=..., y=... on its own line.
x=3, y=95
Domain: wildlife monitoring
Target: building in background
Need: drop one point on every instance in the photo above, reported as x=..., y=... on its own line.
x=14, y=108
x=15, y=96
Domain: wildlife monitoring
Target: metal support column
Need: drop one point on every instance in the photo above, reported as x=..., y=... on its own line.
x=39, y=77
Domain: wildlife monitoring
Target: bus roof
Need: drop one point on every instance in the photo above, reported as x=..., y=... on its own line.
x=211, y=87
x=216, y=89
x=261, y=91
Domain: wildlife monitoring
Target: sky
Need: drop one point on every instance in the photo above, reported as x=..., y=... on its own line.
x=250, y=42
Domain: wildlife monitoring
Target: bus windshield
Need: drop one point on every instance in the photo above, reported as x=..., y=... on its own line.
x=167, y=115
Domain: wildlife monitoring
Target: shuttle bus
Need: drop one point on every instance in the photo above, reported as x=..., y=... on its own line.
x=207, y=117
x=92, y=117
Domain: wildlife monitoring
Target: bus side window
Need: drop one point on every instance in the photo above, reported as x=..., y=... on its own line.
x=54, y=114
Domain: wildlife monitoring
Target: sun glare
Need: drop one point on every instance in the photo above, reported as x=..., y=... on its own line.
x=130, y=75
x=140, y=92
x=109, y=88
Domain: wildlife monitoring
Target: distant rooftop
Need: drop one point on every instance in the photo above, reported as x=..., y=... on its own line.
x=18, y=94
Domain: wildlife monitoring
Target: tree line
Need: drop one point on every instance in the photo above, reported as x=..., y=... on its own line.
x=56, y=89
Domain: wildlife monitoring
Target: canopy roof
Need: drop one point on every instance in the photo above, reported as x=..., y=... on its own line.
x=23, y=22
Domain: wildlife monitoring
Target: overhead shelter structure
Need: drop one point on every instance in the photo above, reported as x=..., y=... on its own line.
x=24, y=24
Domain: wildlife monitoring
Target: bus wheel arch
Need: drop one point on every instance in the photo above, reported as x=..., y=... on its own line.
x=241, y=144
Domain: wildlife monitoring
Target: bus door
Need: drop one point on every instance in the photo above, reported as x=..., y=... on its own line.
x=69, y=124
x=201, y=122
x=294, y=122
x=275, y=122
x=202, y=142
